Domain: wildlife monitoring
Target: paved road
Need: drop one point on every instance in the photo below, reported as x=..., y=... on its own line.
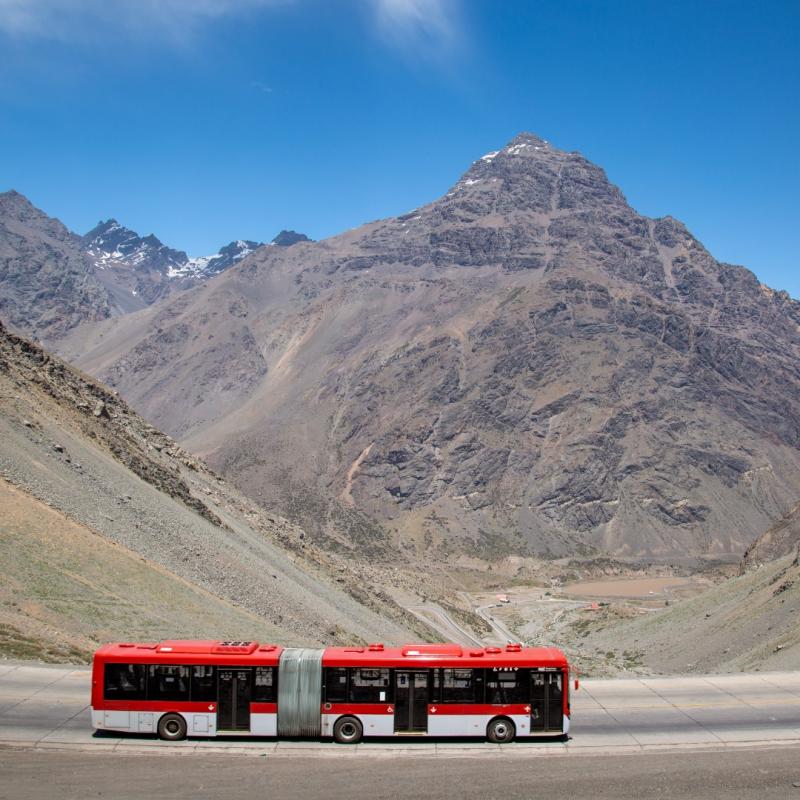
x=437, y=618
x=500, y=630
x=46, y=708
x=766, y=774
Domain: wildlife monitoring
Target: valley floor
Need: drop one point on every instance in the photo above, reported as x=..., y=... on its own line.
x=643, y=622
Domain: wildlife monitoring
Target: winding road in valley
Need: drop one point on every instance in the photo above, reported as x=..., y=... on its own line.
x=437, y=618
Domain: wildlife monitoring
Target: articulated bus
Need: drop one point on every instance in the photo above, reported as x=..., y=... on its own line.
x=206, y=688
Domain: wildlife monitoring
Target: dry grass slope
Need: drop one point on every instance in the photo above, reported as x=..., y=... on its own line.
x=750, y=622
x=67, y=589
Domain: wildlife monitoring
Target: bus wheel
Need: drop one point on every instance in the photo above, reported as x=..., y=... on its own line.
x=347, y=730
x=500, y=731
x=172, y=727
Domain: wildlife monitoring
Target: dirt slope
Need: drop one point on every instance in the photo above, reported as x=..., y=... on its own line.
x=67, y=588
x=750, y=622
x=72, y=444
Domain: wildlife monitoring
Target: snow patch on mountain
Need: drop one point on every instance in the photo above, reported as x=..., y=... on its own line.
x=111, y=245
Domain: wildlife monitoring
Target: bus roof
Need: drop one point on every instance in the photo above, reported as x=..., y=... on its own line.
x=443, y=655
x=190, y=651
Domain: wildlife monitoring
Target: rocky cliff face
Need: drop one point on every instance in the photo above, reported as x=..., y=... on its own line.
x=47, y=282
x=525, y=365
x=781, y=539
x=137, y=270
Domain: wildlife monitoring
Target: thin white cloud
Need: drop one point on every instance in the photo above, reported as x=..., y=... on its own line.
x=86, y=19
x=422, y=28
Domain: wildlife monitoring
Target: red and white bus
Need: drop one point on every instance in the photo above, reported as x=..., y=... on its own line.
x=206, y=688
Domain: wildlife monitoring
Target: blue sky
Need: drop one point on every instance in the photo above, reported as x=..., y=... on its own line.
x=208, y=120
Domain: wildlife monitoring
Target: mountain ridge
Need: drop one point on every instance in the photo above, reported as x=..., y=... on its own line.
x=52, y=279
x=525, y=365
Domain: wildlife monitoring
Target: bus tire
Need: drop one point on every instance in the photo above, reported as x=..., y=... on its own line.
x=172, y=727
x=501, y=730
x=348, y=730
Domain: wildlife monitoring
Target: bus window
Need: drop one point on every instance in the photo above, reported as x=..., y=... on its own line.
x=125, y=682
x=204, y=683
x=336, y=685
x=167, y=682
x=461, y=686
x=369, y=685
x=508, y=685
x=264, y=685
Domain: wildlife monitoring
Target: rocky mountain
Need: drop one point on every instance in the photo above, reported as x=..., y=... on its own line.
x=781, y=539
x=110, y=530
x=288, y=238
x=138, y=270
x=113, y=244
x=526, y=365
x=207, y=266
x=135, y=270
x=52, y=279
x=48, y=284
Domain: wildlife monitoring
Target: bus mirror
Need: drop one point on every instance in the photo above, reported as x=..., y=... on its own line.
x=577, y=684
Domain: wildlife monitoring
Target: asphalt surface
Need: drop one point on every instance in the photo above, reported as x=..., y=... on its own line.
x=47, y=708
x=437, y=618
x=764, y=774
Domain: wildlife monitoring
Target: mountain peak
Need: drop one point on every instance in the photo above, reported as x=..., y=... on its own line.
x=103, y=229
x=522, y=144
x=207, y=266
x=528, y=138
x=111, y=242
x=12, y=195
x=287, y=238
x=14, y=202
x=529, y=174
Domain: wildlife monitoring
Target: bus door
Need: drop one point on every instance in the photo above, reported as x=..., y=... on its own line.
x=233, y=705
x=411, y=701
x=547, y=701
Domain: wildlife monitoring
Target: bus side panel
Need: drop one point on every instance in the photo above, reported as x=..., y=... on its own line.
x=146, y=721
x=456, y=724
x=112, y=720
x=374, y=724
x=264, y=724
x=201, y=724
x=443, y=724
x=377, y=718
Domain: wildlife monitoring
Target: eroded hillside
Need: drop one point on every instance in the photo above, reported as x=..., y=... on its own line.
x=103, y=514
